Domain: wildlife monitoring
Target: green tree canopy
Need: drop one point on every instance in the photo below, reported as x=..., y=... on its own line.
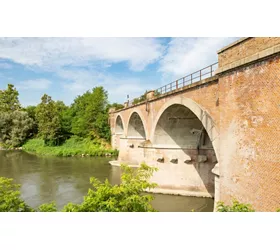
x=9, y=99
x=90, y=114
x=49, y=122
x=15, y=127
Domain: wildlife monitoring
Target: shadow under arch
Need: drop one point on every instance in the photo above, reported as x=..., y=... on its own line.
x=119, y=125
x=202, y=115
x=136, y=127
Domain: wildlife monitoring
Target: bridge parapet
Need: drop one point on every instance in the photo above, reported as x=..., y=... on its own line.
x=179, y=84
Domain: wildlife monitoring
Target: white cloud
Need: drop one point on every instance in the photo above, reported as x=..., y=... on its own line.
x=179, y=57
x=118, y=87
x=36, y=84
x=51, y=53
x=186, y=55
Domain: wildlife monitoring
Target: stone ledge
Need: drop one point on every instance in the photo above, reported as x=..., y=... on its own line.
x=250, y=59
x=180, y=192
x=233, y=44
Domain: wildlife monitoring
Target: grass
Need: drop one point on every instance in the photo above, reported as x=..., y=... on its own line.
x=72, y=147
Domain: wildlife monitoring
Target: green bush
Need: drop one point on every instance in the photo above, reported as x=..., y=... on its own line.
x=10, y=200
x=140, y=99
x=156, y=93
x=47, y=207
x=126, y=197
x=236, y=207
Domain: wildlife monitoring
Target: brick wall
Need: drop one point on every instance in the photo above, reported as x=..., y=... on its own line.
x=246, y=48
x=250, y=134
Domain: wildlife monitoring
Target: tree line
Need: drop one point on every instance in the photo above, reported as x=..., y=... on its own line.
x=53, y=121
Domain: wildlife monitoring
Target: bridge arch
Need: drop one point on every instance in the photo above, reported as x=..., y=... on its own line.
x=189, y=105
x=187, y=135
x=136, y=127
x=119, y=125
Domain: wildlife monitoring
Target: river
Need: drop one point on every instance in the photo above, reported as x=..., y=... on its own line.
x=63, y=180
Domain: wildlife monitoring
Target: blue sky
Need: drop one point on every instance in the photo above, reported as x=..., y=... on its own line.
x=66, y=67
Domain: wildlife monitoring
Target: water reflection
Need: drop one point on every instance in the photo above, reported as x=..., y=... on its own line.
x=63, y=180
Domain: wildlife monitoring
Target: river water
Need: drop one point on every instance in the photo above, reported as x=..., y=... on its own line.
x=63, y=180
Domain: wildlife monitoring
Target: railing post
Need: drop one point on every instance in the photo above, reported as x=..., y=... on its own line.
x=177, y=84
x=200, y=74
x=211, y=70
x=191, y=78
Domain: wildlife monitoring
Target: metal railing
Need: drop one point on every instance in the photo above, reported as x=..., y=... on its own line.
x=189, y=79
x=197, y=76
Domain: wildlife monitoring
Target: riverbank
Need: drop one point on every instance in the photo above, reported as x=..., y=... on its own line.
x=72, y=147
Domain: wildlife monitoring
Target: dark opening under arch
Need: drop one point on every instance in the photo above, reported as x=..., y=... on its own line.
x=179, y=127
x=119, y=126
x=135, y=127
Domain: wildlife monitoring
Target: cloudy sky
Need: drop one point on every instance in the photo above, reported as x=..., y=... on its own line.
x=67, y=67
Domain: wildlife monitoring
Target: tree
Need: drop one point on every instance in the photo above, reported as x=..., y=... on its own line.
x=90, y=114
x=15, y=127
x=65, y=116
x=9, y=99
x=49, y=123
x=5, y=127
x=31, y=111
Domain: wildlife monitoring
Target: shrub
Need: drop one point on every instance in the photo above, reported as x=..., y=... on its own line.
x=47, y=207
x=126, y=197
x=236, y=207
x=10, y=200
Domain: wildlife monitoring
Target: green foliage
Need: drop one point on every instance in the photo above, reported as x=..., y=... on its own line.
x=140, y=99
x=90, y=113
x=115, y=105
x=156, y=93
x=236, y=207
x=49, y=121
x=129, y=196
x=47, y=207
x=10, y=200
x=278, y=210
x=9, y=99
x=73, y=146
x=55, y=122
x=126, y=197
x=15, y=127
x=31, y=111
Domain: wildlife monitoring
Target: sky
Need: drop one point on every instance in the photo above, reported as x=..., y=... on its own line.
x=67, y=67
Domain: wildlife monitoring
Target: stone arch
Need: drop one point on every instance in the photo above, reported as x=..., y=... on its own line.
x=202, y=115
x=200, y=163
x=136, y=127
x=119, y=125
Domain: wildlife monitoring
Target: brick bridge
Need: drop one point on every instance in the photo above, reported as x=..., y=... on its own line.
x=214, y=133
